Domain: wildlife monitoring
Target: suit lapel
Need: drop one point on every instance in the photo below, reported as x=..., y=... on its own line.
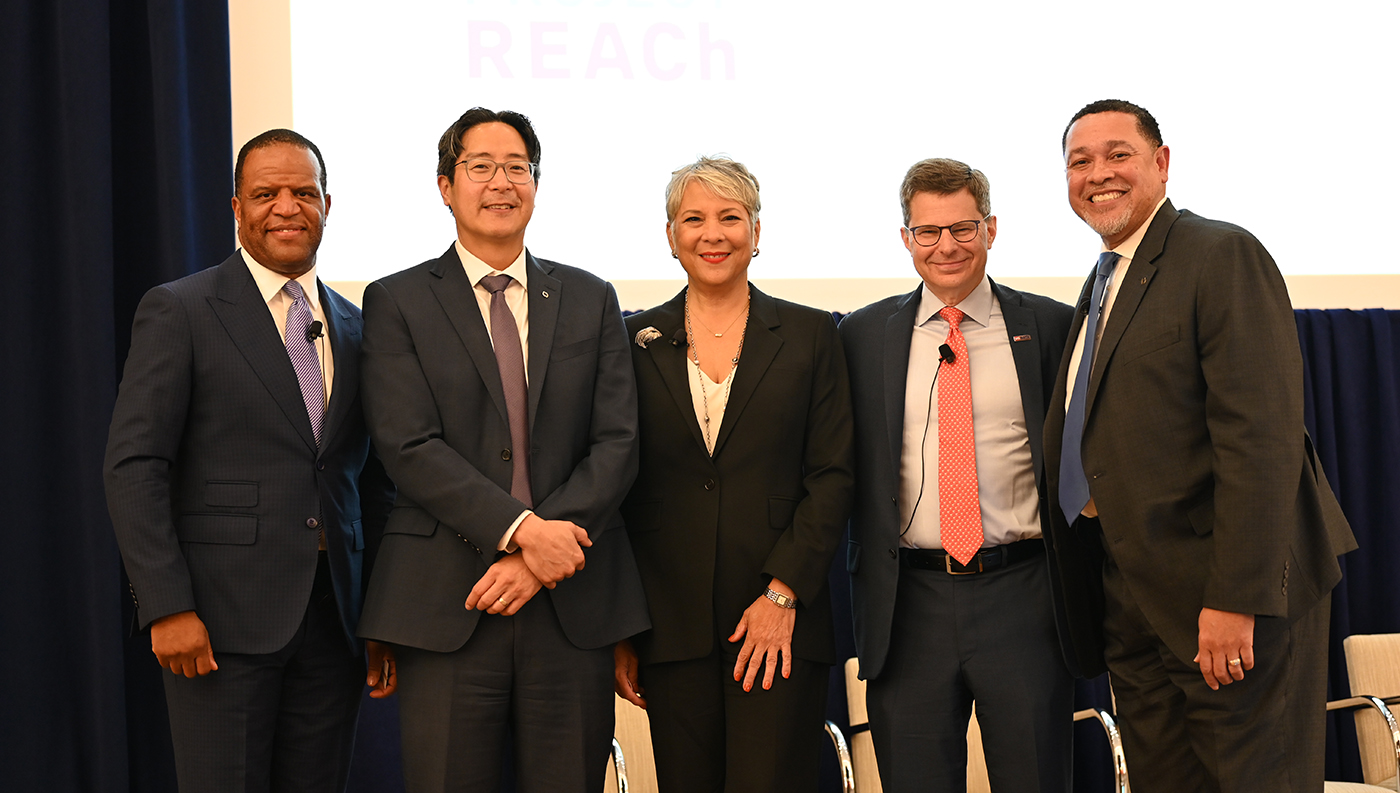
x=761, y=345
x=1130, y=292
x=344, y=335
x=669, y=355
x=544, y=294
x=1020, y=322
x=899, y=334
x=454, y=293
x=244, y=315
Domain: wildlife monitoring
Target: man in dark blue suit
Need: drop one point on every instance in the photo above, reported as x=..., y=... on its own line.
x=950, y=586
x=245, y=497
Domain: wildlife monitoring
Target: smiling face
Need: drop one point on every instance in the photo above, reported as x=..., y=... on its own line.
x=951, y=269
x=491, y=216
x=280, y=209
x=713, y=236
x=1116, y=176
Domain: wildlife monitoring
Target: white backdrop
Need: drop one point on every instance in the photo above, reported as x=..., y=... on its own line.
x=1280, y=118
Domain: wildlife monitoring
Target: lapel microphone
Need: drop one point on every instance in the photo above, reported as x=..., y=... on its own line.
x=945, y=355
x=313, y=331
x=678, y=338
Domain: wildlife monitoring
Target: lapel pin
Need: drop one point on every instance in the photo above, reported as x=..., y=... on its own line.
x=646, y=335
x=1020, y=338
x=544, y=293
x=1144, y=280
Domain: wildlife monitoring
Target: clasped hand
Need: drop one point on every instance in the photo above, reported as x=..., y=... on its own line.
x=507, y=585
x=553, y=549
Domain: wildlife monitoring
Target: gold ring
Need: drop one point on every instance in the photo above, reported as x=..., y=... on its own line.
x=505, y=602
x=1234, y=662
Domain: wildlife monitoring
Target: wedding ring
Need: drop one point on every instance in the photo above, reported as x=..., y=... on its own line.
x=1234, y=662
x=505, y=602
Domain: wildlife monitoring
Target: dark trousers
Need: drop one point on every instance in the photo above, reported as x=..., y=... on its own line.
x=988, y=638
x=709, y=735
x=280, y=722
x=519, y=671
x=1263, y=733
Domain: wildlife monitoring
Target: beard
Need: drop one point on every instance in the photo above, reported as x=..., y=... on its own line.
x=1110, y=225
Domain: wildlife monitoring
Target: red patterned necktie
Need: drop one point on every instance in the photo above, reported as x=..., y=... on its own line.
x=959, y=510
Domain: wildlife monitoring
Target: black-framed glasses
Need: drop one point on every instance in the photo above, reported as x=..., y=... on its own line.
x=928, y=236
x=517, y=171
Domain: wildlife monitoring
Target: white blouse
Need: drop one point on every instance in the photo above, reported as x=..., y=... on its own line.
x=718, y=395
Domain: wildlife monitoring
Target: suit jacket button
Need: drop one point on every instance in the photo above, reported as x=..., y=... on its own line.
x=312, y=523
x=505, y=454
x=894, y=554
x=709, y=484
x=320, y=466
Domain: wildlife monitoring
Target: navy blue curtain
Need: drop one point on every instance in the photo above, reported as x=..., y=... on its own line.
x=115, y=151
x=1351, y=363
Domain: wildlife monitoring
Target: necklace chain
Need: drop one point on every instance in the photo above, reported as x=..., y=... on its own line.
x=700, y=375
x=720, y=335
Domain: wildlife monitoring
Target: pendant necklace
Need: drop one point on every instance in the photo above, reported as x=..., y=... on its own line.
x=700, y=375
x=720, y=335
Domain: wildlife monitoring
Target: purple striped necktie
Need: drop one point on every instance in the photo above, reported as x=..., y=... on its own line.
x=304, y=358
x=510, y=359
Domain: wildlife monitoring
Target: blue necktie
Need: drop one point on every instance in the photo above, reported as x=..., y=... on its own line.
x=1074, y=485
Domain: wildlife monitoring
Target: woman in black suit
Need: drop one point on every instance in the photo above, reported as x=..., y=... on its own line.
x=744, y=491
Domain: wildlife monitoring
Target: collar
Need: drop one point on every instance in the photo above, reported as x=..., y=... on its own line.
x=476, y=269
x=270, y=283
x=977, y=305
x=1128, y=248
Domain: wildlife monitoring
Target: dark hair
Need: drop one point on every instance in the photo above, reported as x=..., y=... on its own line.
x=271, y=138
x=450, y=144
x=1146, y=124
x=945, y=177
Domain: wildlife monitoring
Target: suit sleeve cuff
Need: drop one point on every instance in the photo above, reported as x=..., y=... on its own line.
x=506, y=544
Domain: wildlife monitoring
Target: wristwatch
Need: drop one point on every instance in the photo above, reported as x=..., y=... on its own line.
x=783, y=601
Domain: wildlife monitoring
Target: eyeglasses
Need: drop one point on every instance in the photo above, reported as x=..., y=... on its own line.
x=928, y=236
x=517, y=171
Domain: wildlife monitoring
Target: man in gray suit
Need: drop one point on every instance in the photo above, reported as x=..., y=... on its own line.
x=950, y=585
x=499, y=391
x=245, y=498
x=1196, y=534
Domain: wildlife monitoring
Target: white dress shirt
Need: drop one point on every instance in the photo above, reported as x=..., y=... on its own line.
x=278, y=302
x=517, y=300
x=1005, y=479
x=1126, y=250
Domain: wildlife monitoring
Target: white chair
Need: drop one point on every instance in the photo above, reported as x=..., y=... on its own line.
x=633, y=766
x=1373, y=664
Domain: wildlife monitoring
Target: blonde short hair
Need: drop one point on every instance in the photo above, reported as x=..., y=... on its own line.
x=720, y=175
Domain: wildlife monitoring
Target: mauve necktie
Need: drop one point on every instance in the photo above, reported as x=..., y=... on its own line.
x=304, y=358
x=959, y=509
x=510, y=359
x=1074, y=485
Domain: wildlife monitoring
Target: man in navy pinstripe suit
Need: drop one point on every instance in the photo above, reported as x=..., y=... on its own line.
x=245, y=498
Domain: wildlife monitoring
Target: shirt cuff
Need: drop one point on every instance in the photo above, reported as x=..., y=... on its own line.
x=505, y=544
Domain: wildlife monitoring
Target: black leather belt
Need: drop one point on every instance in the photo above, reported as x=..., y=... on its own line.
x=985, y=561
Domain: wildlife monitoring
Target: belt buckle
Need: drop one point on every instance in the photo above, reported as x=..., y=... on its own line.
x=949, y=561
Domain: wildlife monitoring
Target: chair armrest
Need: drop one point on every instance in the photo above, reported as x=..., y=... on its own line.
x=1380, y=705
x=1115, y=745
x=620, y=766
x=843, y=757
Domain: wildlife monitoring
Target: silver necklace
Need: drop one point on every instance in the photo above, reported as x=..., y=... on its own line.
x=720, y=335
x=700, y=375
